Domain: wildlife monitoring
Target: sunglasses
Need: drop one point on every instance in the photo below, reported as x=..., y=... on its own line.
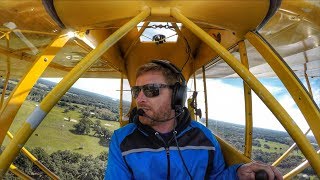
x=149, y=90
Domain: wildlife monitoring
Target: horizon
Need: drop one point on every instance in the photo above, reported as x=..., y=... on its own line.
x=218, y=105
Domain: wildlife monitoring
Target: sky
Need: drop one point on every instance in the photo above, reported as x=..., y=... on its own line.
x=225, y=99
x=226, y=102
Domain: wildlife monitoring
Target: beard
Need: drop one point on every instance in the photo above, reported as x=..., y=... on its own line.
x=156, y=117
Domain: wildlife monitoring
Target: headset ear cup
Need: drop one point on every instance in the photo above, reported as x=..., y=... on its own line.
x=179, y=95
x=183, y=89
x=174, y=95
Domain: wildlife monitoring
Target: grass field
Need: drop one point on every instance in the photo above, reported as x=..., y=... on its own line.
x=276, y=147
x=54, y=133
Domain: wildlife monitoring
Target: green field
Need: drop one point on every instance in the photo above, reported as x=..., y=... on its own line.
x=54, y=133
x=274, y=146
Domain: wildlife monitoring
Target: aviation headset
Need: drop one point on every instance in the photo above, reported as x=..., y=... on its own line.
x=179, y=93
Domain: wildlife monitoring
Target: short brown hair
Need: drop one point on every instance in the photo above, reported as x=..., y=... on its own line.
x=170, y=77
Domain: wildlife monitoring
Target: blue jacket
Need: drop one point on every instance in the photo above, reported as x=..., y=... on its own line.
x=138, y=152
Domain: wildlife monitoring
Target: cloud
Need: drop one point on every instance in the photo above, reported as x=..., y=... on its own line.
x=226, y=103
x=274, y=89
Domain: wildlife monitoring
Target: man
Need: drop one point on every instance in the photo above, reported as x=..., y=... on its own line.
x=163, y=142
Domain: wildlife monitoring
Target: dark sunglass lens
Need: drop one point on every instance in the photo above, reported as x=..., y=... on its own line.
x=150, y=90
x=135, y=91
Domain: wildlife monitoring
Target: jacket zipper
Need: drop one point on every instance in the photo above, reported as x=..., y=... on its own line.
x=167, y=152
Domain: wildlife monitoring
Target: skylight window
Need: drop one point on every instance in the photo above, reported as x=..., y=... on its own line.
x=156, y=29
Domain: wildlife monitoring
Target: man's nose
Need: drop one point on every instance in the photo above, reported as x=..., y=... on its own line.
x=141, y=97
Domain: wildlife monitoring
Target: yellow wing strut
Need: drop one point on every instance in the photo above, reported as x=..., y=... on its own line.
x=60, y=89
x=275, y=107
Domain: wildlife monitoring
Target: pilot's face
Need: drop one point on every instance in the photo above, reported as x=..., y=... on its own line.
x=156, y=100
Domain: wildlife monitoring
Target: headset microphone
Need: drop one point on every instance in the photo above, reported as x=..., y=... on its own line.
x=140, y=112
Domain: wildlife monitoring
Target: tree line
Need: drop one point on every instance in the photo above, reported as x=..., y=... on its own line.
x=65, y=164
x=101, y=107
x=234, y=134
x=74, y=96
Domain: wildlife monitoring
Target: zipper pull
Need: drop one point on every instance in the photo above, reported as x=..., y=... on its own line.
x=167, y=151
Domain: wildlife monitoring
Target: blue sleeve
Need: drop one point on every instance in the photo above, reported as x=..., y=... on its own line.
x=116, y=168
x=220, y=171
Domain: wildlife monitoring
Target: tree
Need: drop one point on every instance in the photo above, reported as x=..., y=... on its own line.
x=85, y=114
x=72, y=108
x=25, y=164
x=90, y=168
x=66, y=110
x=97, y=128
x=65, y=164
x=97, y=123
x=83, y=127
x=106, y=133
x=256, y=142
x=42, y=157
x=103, y=156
